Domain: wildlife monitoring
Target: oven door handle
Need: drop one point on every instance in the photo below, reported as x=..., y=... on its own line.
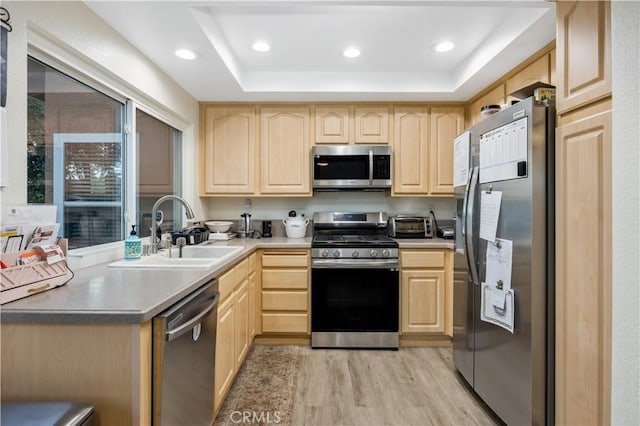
x=370, y=167
x=354, y=264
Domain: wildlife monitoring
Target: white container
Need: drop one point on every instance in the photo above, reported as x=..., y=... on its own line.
x=218, y=225
x=295, y=227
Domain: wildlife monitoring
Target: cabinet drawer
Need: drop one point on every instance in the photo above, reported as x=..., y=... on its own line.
x=294, y=259
x=226, y=283
x=284, y=278
x=241, y=271
x=284, y=300
x=422, y=259
x=252, y=262
x=285, y=323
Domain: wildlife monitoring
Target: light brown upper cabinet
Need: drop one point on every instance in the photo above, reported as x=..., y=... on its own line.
x=411, y=150
x=423, y=149
x=332, y=124
x=537, y=71
x=584, y=53
x=228, y=150
x=372, y=124
x=496, y=96
x=446, y=124
x=285, y=151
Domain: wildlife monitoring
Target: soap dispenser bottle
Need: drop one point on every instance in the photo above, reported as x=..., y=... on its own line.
x=133, y=245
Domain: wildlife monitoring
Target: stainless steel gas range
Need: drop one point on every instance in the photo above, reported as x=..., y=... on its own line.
x=355, y=283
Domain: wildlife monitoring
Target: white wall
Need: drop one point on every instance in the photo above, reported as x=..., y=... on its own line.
x=625, y=395
x=71, y=32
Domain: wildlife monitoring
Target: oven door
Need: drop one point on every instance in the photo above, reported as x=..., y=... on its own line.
x=354, y=304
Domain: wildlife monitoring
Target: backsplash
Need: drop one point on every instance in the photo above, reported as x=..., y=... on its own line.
x=278, y=208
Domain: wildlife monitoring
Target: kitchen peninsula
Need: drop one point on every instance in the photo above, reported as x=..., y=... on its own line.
x=92, y=338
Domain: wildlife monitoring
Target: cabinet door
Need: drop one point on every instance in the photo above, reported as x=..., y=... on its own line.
x=446, y=124
x=410, y=151
x=423, y=301
x=253, y=306
x=537, y=71
x=225, y=362
x=584, y=53
x=583, y=271
x=332, y=124
x=285, y=151
x=242, y=322
x=228, y=150
x=372, y=125
x=494, y=97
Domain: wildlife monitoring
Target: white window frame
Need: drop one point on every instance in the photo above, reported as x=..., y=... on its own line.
x=59, y=140
x=69, y=62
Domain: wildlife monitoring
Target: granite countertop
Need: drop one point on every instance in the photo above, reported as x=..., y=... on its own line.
x=100, y=294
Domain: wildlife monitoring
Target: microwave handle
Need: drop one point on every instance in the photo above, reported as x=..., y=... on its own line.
x=371, y=167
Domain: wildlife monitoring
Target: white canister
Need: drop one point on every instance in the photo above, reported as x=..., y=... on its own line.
x=295, y=227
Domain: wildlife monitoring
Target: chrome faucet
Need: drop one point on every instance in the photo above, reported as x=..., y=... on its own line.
x=154, y=211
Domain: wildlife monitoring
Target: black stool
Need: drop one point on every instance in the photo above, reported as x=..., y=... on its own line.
x=46, y=414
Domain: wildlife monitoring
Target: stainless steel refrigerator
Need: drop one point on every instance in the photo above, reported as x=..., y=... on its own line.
x=510, y=154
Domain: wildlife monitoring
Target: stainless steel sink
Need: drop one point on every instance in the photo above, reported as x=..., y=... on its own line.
x=192, y=257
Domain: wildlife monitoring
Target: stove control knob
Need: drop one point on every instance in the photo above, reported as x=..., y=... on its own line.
x=336, y=253
x=373, y=253
x=324, y=253
x=355, y=253
x=385, y=253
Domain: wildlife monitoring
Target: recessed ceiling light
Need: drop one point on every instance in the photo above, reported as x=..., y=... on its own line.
x=444, y=46
x=261, y=46
x=351, y=52
x=186, y=54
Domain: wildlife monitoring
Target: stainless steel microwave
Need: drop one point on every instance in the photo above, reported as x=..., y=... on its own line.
x=351, y=167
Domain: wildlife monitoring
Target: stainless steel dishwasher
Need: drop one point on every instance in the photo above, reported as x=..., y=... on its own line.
x=184, y=339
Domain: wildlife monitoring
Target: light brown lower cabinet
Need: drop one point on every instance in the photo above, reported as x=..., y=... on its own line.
x=107, y=365
x=583, y=267
x=423, y=301
x=285, y=292
x=225, y=360
x=426, y=303
x=236, y=325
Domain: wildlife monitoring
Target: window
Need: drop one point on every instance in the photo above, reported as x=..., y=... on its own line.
x=79, y=157
x=158, y=153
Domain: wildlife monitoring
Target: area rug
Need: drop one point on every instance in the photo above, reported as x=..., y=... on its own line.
x=263, y=391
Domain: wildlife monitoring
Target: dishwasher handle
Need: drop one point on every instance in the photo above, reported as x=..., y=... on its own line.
x=175, y=333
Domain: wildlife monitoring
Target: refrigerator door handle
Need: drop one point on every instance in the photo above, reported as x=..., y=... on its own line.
x=463, y=219
x=469, y=234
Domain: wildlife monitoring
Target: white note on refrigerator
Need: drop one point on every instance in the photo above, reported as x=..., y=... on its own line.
x=490, y=203
x=461, y=147
x=502, y=317
x=499, y=263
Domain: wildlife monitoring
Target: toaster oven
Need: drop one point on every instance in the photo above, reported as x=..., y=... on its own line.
x=410, y=226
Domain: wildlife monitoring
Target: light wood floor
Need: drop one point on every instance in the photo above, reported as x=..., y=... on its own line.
x=413, y=386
